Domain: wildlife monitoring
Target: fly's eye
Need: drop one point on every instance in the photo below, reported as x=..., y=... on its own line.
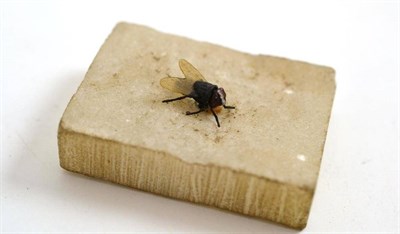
x=222, y=95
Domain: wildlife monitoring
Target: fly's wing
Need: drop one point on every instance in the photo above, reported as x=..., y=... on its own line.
x=190, y=71
x=183, y=85
x=177, y=85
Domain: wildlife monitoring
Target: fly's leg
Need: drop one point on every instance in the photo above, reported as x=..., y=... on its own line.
x=193, y=113
x=229, y=107
x=176, y=99
x=216, y=117
x=201, y=110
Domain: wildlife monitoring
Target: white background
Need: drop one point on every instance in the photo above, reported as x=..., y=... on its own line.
x=46, y=48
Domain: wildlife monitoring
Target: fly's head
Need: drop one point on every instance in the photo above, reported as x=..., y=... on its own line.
x=218, y=98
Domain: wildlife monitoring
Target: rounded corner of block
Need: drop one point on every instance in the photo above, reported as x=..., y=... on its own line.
x=121, y=24
x=301, y=227
x=330, y=74
x=62, y=165
x=61, y=125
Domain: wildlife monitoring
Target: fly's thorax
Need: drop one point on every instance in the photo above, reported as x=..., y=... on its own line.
x=203, y=93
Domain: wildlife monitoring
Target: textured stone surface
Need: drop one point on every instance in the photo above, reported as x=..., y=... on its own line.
x=263, y=161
